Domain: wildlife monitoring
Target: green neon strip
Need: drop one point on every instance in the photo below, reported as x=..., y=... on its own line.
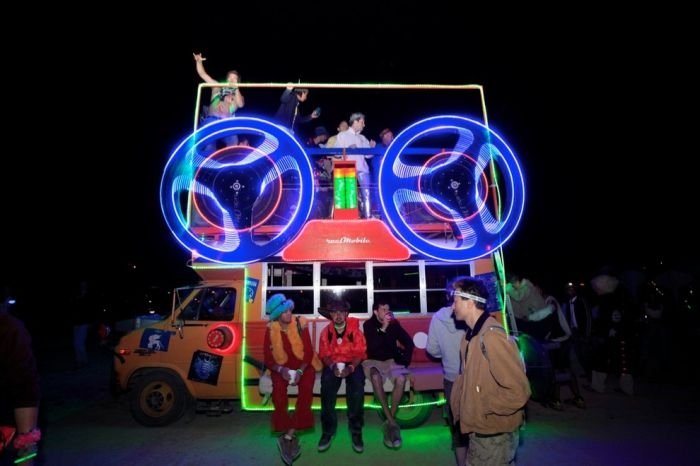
x=342, y=405
x=244, y=343
x=501, y=274
x=25, y=458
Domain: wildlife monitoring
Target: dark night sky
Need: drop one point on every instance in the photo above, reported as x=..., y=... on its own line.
x=593, y=111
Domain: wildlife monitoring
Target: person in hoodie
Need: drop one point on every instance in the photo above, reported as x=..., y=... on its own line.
x=445, y=335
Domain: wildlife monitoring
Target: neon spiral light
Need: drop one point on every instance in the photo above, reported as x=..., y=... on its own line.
x=272, y=181
x=236, y=190
x=468, y=147
x=446, y=159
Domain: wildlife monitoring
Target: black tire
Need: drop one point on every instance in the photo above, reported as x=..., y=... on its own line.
x=158, y=398
x=408, y=417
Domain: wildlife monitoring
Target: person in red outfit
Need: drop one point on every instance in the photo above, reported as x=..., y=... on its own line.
x=288, y=355
x=342, y=349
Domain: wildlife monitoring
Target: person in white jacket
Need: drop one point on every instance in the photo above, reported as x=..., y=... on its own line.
x=351, y=138
x=444, y=337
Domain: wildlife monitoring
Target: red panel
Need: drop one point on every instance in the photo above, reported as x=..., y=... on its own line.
x=345, y=240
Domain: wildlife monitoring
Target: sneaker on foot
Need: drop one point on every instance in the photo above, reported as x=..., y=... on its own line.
x=325, y=442
x=284, y=446
x=357, y=444
x=295, y=448
x=396, y=436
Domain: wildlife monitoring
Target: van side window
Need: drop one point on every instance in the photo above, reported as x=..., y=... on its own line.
x=212, y=304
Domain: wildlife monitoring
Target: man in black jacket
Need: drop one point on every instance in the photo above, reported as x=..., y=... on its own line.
x=384, y=334
x=288, y=112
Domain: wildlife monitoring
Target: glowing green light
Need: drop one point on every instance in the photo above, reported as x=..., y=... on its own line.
x=25, y=458
x=244, y=343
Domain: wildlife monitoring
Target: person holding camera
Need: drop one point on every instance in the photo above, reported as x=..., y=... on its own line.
x=288, y=112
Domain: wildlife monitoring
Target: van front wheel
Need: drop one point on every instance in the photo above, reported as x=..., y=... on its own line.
x=158, y=399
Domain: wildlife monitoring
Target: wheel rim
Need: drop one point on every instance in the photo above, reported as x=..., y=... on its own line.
x=157, y=399
x=409, y=413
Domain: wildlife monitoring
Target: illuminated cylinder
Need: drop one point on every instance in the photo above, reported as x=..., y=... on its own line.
x=339, y=188
x=350, y=188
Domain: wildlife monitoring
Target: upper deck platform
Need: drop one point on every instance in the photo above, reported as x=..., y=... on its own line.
x=241, y=189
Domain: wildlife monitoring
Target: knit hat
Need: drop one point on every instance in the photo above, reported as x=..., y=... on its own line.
x=278, y=304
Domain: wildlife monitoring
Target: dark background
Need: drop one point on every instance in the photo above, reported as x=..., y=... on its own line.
x=599, y=108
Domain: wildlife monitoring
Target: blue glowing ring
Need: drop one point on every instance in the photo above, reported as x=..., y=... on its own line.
x=433, y=193
x=238, y=204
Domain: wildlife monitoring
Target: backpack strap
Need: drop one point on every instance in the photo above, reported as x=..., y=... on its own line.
x=481, y=339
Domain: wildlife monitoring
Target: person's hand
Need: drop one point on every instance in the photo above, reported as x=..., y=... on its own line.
x=349, y=369
x=294, y=376
x=316, y=113
x=372, y=143
x=339, y=369
x=284, y=372
x=198, y=57
x=388, y=319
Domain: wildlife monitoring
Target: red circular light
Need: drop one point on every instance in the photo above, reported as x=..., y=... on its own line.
x=215, y=338
x=219, y=337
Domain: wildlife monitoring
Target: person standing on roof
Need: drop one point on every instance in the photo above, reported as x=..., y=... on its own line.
x=224, y=103
x=229, y=87
x=288, y=112
x=352, y=139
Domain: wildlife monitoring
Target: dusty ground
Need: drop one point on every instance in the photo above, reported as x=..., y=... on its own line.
x=84, y=425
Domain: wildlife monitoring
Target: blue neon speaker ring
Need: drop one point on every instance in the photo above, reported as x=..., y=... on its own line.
x=217, y=200
x=440, y=195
